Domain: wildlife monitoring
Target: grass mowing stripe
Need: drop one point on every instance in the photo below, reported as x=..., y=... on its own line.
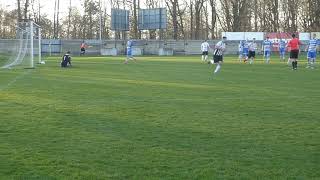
x=162, y=118
x=18, y=77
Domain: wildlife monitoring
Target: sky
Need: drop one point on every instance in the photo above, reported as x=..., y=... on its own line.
x=48, y=5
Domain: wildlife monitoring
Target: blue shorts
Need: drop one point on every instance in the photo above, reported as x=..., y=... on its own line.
x=245, y=51
x=129, y=52
x=312, y=54
x=282, y=51
x=267, y=53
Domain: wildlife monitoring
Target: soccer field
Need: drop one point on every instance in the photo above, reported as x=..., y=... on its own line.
x=160, y=118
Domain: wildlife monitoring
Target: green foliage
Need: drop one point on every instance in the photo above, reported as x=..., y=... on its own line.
x=160, y=118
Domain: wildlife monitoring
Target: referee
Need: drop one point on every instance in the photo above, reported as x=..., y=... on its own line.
x=294, y=45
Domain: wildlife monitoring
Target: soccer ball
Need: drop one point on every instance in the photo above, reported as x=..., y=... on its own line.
x=42, y=62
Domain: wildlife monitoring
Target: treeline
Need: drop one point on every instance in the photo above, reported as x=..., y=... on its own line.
x=187, y=19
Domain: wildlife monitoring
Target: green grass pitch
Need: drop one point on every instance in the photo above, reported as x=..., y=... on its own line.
x=160, y=118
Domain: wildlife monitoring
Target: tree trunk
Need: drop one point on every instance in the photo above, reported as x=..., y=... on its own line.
x=213, y=17
x=275, y=16
x=54, y=19
x=19, y=11
x=191, y=20
x=69, y=20
x=58, y=9
x=198, y=7
x=255, y=15
x=174, y=19
x=181, y=25
x=26, y=6
x=135, y=19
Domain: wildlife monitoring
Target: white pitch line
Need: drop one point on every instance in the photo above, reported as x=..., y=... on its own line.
x=9, y=84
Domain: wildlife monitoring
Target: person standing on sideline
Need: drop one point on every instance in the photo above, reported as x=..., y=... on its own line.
x=294, y=45
x=312, y=51
x=129, y=52
x=218, y=52
x=252, y=50
x=267, y=45
x=205, y=49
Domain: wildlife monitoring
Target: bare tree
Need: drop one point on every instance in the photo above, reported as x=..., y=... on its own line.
x=290, y=12
x=226, y=19
x=69, y=20
x=275, y=12
x=135, y=19
x=57, y=21
x=213, y=17
x=151, y=4
x=26, y=6
x=309, y=15
x=173, y=9
x=198, y=6
x=90, y=20
x=191, y=20
x=181, y=14
x=19, y=10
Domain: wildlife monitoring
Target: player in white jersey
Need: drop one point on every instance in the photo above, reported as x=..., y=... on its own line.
x=205, y=49
x=218, y=52
x=267, y=45
x=240, y=51
x=252, y=50
x=312, y=51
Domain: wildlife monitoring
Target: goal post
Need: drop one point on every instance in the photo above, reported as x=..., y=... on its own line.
x=26, y=47
x=35, y=36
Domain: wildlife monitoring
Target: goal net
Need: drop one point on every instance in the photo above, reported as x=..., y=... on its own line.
x=24, y=50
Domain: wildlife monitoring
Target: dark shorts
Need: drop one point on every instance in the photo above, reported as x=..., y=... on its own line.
x=83, y=50
x=205, y=53
x=294, y=54
x=64, y=63
x=252, y=54
x=217, y=59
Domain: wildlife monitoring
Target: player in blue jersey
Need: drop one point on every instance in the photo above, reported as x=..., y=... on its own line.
x=267, y=45
x=282, y=49
x=245, y=51
x=129, y=52
x=312, y=51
